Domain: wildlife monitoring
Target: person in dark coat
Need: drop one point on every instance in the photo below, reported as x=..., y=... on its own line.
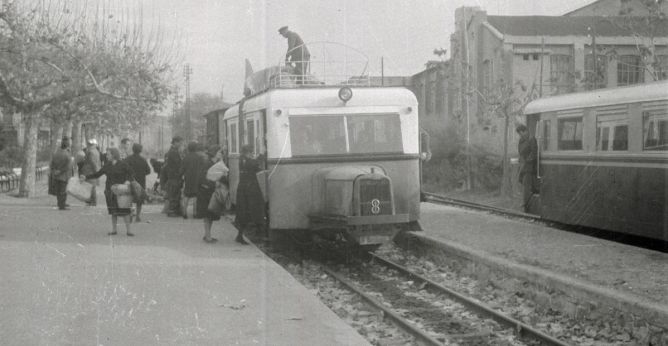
x=191, y=168
x=206, y=190
x=62, y=169
x=528, y=151
x=117, y=172
x=250, y=202
x=173, y=174
x=157, y=166
x=141, y=169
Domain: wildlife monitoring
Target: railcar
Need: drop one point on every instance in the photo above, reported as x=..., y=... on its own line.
x=603, y=158
x=342, y=156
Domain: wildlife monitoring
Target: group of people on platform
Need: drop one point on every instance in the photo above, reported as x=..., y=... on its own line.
x=182, y=176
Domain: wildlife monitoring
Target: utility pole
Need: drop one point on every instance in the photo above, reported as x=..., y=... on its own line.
x=175, y=109
x=187, y=71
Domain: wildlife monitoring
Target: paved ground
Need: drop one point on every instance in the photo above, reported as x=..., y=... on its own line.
x=626, y=269
x=66, y=282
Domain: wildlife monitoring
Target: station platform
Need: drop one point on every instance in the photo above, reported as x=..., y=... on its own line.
x=593, y=277
x=66, y=282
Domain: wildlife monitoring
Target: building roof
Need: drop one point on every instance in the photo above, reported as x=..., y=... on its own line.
x=560, y=26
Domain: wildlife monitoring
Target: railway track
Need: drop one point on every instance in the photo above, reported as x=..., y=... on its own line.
x=433, y=314
x=438, y=199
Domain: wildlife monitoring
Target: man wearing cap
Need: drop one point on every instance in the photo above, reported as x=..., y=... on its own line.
x=297, y=52
x=91, y=164
x=174, y=182
x=62, y=169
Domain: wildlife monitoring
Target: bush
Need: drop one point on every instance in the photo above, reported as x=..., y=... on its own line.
x=446, y=171
x=12, y=156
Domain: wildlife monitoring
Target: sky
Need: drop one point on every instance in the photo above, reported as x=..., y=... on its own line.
x=216, y=36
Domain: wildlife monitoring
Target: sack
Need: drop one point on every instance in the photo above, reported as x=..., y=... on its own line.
x=121, y=190
x=217, y=171
x=222, y=193
x=138, y=193
x=52, y=185
x=81, y=190
x=215, y=206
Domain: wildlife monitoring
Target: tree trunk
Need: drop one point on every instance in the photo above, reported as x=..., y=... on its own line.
x=56, y=136
x=27, y=186
x=67, y=131
x=76, y=137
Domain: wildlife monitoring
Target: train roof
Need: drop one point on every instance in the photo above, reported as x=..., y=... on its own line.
x=601, y=97
x=325, y=97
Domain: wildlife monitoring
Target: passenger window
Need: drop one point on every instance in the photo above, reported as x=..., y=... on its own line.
x=322, y=135
x=570, y=134
x=547, y=127
x=612, y=132
x=655, y=131
x=620, y=141
x=375, y=134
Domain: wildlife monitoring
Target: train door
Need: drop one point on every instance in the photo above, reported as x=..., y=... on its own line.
x=232, y=127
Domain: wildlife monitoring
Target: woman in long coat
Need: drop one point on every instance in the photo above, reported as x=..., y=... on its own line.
x=250, y=201
x=206, y=191
x=191, y=168
x=117, y=172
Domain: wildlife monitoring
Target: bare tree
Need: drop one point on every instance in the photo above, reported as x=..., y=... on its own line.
x=52, y=55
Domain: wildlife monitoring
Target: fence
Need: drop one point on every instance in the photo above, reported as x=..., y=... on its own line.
x=10, y=180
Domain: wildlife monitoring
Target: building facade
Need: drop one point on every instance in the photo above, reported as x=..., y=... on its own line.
x=500, y=63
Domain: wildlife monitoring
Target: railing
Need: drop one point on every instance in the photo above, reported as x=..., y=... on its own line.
x=10, y=180
x=328, y=64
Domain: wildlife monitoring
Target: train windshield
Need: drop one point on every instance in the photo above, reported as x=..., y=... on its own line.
x=349, y=134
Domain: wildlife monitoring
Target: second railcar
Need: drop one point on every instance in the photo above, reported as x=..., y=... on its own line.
x=603, y=158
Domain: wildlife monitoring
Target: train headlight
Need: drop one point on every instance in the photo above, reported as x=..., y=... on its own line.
x=345, y=94
x=278, y=112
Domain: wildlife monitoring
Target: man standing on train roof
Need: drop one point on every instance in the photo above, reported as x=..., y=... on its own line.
x=528, y=151
x=297, y=52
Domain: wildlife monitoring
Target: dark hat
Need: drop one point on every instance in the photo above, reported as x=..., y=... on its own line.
x=213, y=149
x=177, y=139
x=285, y=28
x=520, y=127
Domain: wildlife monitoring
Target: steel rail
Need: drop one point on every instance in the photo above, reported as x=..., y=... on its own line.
x=396, y=318
x=522, y=330
x=438, y=199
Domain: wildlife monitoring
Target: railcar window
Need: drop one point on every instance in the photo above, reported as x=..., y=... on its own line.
x=375, y=134
x=322, y=135
x=612, y=132
x=547, y=126
x=655, y=130
x=570, y=134
x=250, y=134
x=602, y=135
x=620, y=141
